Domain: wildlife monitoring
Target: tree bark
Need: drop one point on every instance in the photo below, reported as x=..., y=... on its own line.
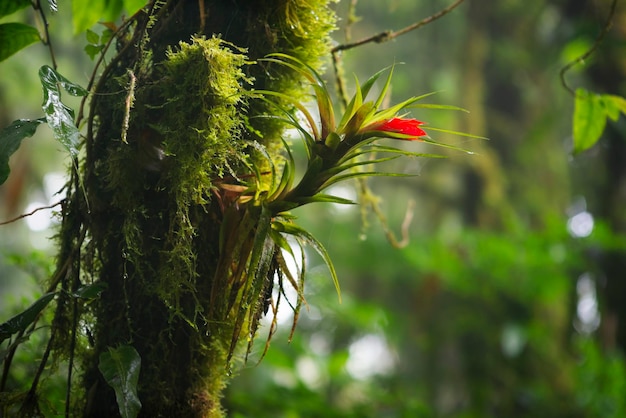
x=170, y=123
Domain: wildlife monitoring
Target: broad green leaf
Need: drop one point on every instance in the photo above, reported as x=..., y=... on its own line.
x=10, y=140
x=14, y=37
x=614, y=105
x=10, y=6
x=85, y=16
x=589, y=120
x=22, y=320
x=120, y=368
x=60, y=117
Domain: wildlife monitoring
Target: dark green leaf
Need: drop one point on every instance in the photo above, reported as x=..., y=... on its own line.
x=10, y=140
x=60, y=117
x=589, y=120
x=90, y=291
x=22, y=320
x=10, y=6
x=120, y=368
x=16, y=36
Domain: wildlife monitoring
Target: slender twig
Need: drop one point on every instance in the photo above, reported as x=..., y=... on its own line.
x=94, y=73
x=340, y=80
x=32, y=392
x=352, y=19
x=46, y=41
x=389, y=35
x=581, y=59
x=24, y=215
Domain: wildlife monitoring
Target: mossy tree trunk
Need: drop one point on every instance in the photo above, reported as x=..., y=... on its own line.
x=154, y=214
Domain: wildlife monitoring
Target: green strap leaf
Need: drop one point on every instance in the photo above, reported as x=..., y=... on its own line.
x=10, y=140
x=22, y=320
x=589, y=120
x=14, y=37
x=325, y=198
x=60, y=117
x=120, y=368
x=10, y=6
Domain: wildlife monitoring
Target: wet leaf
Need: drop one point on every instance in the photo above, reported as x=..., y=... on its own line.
x=60, y=118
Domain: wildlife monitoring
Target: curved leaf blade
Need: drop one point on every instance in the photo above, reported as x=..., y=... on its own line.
x=14, y=37
x=22, y=320
x=60, y=118
x=8, y=7
x=120, y=368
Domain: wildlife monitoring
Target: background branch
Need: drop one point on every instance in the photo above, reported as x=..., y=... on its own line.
x=388, y=35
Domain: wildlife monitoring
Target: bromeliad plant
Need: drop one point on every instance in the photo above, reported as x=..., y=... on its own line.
x=336, y=150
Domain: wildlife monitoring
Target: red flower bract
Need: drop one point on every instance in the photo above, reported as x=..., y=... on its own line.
x=402, y=126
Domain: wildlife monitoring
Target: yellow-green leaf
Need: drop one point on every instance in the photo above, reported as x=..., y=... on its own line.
x=589, y=120
x=614, y=105
x=86, y=15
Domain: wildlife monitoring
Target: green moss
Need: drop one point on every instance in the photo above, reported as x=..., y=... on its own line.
x=202, y=129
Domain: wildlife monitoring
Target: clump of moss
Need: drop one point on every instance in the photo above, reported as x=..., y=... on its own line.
x=201, y=126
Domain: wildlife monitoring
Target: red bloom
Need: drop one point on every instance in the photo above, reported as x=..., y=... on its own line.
x=408, y=127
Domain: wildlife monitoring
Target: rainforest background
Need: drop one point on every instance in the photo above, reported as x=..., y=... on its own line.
x=509, y=299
